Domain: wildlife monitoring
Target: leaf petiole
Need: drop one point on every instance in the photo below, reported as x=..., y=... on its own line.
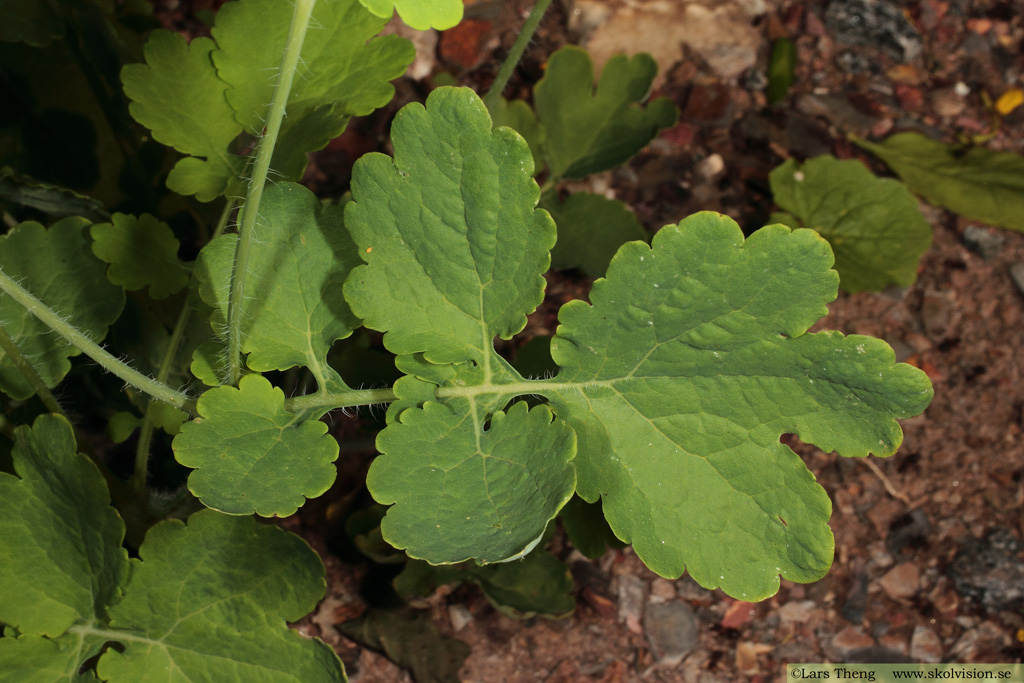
x=296, y=35
x=515, y=54
x=343, y=399
x=79, y=340
x=29, y=372
x=138, y=480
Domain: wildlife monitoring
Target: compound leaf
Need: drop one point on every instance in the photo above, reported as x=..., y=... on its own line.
x=178, y=96
x=341, y=65
x=591, y=228
x=455, y=249
x=453, y=242
x=419, y=14
x=874, y=226
x=56, y=266
x=61, y=560
x=462, y=491
x=682, y=375
x=142, y=251
x=211, y=600
x=679, y=379
x=294, y=309
x=591, y=130
x=251, y=455
x=977, y=183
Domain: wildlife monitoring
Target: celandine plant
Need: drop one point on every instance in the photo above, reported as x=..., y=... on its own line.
x=674, y=383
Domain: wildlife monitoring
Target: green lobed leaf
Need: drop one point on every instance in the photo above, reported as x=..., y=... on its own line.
x=33, y=22
x=591, y=130
x=591, y=228
x=342, y=64
x=539, y=583
x=209, y=363
x=206, y=601
x=142, y=251
x=211, y=600
x=419, y=14
x=977, y=183
x=251, y=455
x=874, y=226
x=52, y=200
x=294, y=309
x=587, y=529
x=61, y=560
x=518, y=116
x=453, y=242
x=34, y=659
x=410, y=638
x=177, y=95
x=681, y=377
x=57, y=266
x=464, y=491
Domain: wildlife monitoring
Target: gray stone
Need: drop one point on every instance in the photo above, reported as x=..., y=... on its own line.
x=1017, y=273
x=990, y=570
x=877, y=24
x=855, y=63
x=671, y=629
x=460, y=617
x=985, y=243
x=630, y=591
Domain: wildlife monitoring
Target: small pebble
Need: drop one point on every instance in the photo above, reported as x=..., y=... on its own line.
x=925, y=645
x=902, y=581
x=1017, y=273
x=671, y=629
x=984, y=242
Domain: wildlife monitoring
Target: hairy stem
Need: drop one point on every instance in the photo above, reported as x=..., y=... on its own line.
x=37, y=308
x=296, y=35
x=515, y=54
x=344, y=399
x=29, y=372
x=139, y=475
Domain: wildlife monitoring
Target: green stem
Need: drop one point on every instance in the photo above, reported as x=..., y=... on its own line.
x=139, y=475
x=29, y=372
x=296, y=35
x=348, y=399
x=515, y=54
x=157, y=390
x=344, y=399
